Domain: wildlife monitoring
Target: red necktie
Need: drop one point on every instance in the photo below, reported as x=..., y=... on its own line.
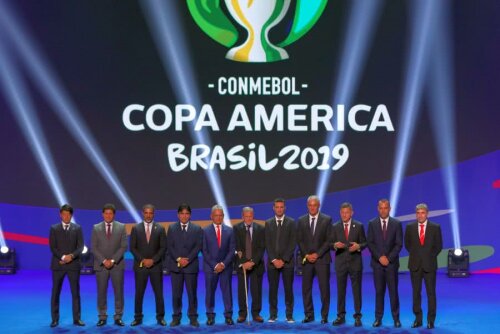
x=346, y=231
x=108, y=230
x=148, y=232
x=422, y=234
x=384, y=228
x=218, y=236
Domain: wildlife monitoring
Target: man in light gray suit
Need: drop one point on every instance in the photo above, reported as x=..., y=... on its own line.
x=109, y=243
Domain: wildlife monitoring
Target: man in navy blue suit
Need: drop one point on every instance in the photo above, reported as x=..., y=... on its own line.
x=184, y=243
x=218, y=255
x=385, y=240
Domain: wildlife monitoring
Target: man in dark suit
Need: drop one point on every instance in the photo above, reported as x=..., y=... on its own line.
x=385, y=240
x=66, y=245
x=109, y=243
x=218, y=255
x=250, y=246
x=280, y=246
x=313, y=238
x=184, y=243
x=424, y=242
x=148, y=245
x=348, y=241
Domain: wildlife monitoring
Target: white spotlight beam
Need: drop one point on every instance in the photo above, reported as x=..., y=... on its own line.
x=23, y=111
x=442, y=115
x=2, y=238
x=424, y=17
x=162, y=17
x=65, y=108
x=363, y=18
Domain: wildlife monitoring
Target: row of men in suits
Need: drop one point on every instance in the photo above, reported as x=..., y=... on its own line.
x=314, y=234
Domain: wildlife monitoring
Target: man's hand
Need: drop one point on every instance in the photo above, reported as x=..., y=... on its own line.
x=354, y=247
x=67, y=258
x=383, y=260
x=219, y=267
x=278, y=264
x=248, y=265
x=108, y=264
x=148, y=263
x=339, y=245
x=184, y=261
x=312, y=257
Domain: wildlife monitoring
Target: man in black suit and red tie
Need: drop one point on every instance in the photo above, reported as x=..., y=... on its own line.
x=184, y=243
x=148, y=245
x=314, y=240
x=348, y=241
x=250, y=246
x=385, y=240
x=424, y=242
x=66, y=245
x=280, y=247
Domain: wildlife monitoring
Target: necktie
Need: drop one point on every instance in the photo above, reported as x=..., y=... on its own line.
x=108, y=230
x=218, y=236
x=183, y=227
x=148, y=232
x=278, y=236
x=66, y=227
x=312, y=225
x=384, y=228
x=248, y=244
x=346, y=231
x=422, y=234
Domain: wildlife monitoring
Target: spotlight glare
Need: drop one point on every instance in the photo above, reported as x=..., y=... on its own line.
x=458, y=252
x=4, y=249
x=85, y=250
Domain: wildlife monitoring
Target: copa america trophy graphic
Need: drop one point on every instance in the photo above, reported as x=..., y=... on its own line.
x=219, y=18
x=257, y=17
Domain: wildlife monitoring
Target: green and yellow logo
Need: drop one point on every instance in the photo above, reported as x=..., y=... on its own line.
x=257, y=17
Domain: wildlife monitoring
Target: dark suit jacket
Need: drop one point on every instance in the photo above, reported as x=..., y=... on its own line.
x=258, y=246
x=286, y=248
x=61, y=243
x=389, y=247
x=423, y=256
x=141, y=249
x=180, y=244
x=320, y=243
x=212, y=254
x=343, y=258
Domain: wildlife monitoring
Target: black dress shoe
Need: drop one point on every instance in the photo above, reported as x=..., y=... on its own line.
x=377, y=323
x=339, y=321
x=175, y=322
x=416, y=324
x=241, y=319
x=78, y=323
x=357, y=322
x=119, y=322
x=397, y=323
x=136, y=322
x=308, y=319
x=210, y=321
x=54, y=323
x=430, y=325
x=194, y=323
x=258, y=318
x=229, y=321
x=272, y=319
x=101, y=323
x=161, y=322
x=324, y=321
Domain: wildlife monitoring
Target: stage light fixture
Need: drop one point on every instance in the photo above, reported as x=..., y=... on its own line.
x=86, y=262
x=7, y=261
x=458, y=262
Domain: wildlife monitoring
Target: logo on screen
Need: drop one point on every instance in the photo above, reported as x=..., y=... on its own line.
x=257, y=18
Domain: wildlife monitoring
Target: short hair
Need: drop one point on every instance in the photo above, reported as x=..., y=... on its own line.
x=313, y=198
x=246, y=209
x=346, y=205
x=66, y=207
x=384, y=200
x=148, y=206
x=183, y=207
x=422, y=206
x=109, y=206
x=279, y=200
x=217, y=207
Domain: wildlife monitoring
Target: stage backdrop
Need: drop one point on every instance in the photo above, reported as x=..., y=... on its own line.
x=240, y=102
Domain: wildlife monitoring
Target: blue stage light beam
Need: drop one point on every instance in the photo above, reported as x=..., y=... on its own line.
x=423, y=21
x=2, y=238
x=162, y=18
x=22, y=108
x=363, y=18
x=49, y=84
x=440, y=88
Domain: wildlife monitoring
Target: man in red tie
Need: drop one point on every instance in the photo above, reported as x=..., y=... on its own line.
x=424, y=242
